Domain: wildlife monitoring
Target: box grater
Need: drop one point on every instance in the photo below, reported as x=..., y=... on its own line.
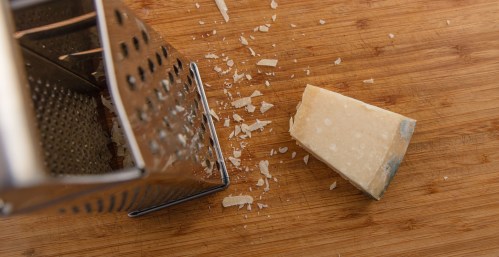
x=98, y=113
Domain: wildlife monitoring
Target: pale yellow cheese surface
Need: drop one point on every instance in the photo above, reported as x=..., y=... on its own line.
x=364, y=143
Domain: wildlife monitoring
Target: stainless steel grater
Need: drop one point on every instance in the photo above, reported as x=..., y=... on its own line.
x=98, y=113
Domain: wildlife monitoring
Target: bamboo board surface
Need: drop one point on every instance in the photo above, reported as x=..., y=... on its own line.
x=440, y=68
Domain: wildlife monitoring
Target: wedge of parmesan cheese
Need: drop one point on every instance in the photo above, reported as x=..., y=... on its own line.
x=363, y=143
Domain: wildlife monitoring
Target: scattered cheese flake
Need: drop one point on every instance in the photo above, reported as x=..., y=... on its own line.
x=267, y=186
x=322, y=22
x=223, y=9
x=273, y=4
x=292, y=25
x=235, y=161
x=391, y=35
x=337, y=62
x=237, y=117
x=293, y=155
x=267, y=62
x=201, y=22
x=243, y=40
x=237, y=130
x=305, y=159
x=231, y=135
x=445, y=177
x=448, y=22
x=256, y=93
x=183, y=139
x=283, y=149
x=179, y=108
x=237, y=154
x=241, y=102
x=249, y=209
x=227, y=123
x=248, y=77
x=261, y=205
x=265, y=107
x=267, y=83
x=263, y=28
x=258, y=125
x=275, y=178
x=332, y=186
x=214, y=32
x=197, y=5
x=214, y=114
x=251, y=51
x=237, y=200
x=230, y=63
x=368, y=81
x=274, y=17
x=260, y=182
x=264, y=168
x=250, y=108
x=206, y=84
x=217, y=69
x=211, y=56
x=237, y=77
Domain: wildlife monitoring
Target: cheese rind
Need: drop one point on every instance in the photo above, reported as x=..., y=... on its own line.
x=363, y=143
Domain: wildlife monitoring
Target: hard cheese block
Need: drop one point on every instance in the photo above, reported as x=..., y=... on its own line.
x=363, y=143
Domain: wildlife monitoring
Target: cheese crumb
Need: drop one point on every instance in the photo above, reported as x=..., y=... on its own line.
x=265, y=107
x=322, y=22
x=274, y=17
x=214, y=114
x=227, y=123
x=273, y=4
x=235, y=161
x=391, y=35
x=267, y=62
x=305, y=159
x=237, y=117
x=260, y=182
x=237, y=200
x=293, y=155
x=241, y=102
x=197, y=5
x=267, y=83
x=243, y=40
x=338, y=61
x=236, y=154
x=222, y=7
x=251, y=51
x=261, y=205
x=211, y=56
x=448, y=22
x=332, y=186
x=264, y=168
x=201, y=22
x=283, y=149
x=292, y=25
x=445, y=177
x=263, y=28
x=267, y=186
x=230, y=63
x=256, y=93
x=368, y=81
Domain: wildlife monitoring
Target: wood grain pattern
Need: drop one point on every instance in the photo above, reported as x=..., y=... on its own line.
x=444, y=75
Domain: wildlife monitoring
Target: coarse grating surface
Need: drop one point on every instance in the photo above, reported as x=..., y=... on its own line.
x=160, y=96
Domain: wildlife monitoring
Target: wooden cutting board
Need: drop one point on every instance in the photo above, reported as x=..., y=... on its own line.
x=440, y=68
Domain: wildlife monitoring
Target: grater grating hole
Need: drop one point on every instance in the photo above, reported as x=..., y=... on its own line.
x=75, y=209
x=88, y=207
x=189, y=80
x=212, y=143
x=119, y=16
x=166, y=85
x=175, y=68
x=152, y=67
x=150, y=104
x=132, y=83
x=112, y=200
x=171, y=77
x=100, y=205
x=124, y=49
x=142, y=73
x=124, y=196
x=165, y=51
x=162, y=134
x=186, y=87
x=141, y=115
x=167, y=122
x=136, y=43
x=154, y=147
x=159, y=95
x=205, y=119
x=159, y=60
x=218, y=165
x=145, y=36
x=203, y=128
x=179, y=63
